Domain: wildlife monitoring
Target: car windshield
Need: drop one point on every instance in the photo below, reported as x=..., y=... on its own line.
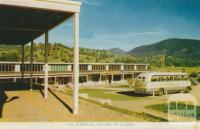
x=141, y=78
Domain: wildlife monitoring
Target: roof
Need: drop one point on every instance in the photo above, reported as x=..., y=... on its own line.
x=182, y=97
x=24, y=20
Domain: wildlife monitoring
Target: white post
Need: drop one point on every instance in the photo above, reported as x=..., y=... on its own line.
x=122, y=67
x=100, y=78
x=46, y=66
x=31, y=67
x=153, y=93
x=76, y=62
x=135, y=67
x=122, y=78
x=112, y=78
x=166, y=97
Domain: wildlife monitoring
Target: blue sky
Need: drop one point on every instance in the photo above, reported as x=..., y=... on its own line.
x=127, y=24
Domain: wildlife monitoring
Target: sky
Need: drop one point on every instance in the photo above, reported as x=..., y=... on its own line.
x=127, y=24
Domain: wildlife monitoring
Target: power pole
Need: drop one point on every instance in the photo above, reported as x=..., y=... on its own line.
x=98, y=56
x=162, y=62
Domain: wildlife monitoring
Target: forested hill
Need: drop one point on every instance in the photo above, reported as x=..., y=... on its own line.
x=177, y=52
x=60, y=53
x=117, y=51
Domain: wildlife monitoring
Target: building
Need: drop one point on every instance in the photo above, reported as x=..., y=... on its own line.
x=91, y=74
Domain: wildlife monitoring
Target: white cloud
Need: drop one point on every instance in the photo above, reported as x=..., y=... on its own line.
x=128, y=39
x=91, y=2
x=154, y=32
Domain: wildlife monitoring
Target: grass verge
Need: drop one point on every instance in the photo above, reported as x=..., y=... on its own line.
x=106, y=94
x=142, y=115
x=163, y=108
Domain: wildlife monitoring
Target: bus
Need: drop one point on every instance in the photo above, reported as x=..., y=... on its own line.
x=161, y=82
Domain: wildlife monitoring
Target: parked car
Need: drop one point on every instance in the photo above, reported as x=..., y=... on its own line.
x=194, y=81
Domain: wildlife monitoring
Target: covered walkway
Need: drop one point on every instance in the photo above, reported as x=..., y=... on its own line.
x=22, y=21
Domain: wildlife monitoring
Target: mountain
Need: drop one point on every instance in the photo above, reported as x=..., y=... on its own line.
x=186, y=51
x=169, y=47
x=117, y=51
x=176, y=52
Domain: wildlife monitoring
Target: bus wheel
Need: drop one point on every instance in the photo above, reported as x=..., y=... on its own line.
x=160, y=92
x=188, y=89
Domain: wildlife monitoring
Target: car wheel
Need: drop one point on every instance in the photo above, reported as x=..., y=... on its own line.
x=188, y=89
x=160, y=92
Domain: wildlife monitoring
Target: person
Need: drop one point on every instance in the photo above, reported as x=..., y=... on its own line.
x=3, y=100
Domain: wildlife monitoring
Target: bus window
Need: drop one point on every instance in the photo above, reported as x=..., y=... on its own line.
x=177, y=78
x=171, y=78
x=141, y=78
x=163, y=78
x=167, y=78
x=159, y=78
x=184, y=78
x=154, y=79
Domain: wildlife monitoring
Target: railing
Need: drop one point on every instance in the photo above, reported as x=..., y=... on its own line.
x=63, y=67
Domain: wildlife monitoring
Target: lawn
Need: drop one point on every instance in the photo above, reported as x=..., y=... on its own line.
x=107, y=94
x=188, y=70
x=120, y=86
x=163, y=108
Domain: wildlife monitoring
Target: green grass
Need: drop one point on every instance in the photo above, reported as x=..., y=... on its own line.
x=103, y=94
x=188, y=70
x=120, y=86
x=141, y=115
x=163, y=108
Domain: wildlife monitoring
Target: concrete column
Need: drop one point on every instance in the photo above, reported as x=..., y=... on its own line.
x=14, y=79
x=31, y=67
x=69, y=67
x=17, y=67
x=146, y=67
x=46, y=66
x=36, y=80
x=87, y=78
x=122, y=77
x=90, y=67
x=22, y=66
x=135, y=67
x=76, y=62
x=100, y=77
x=107, y=67
x=55, y=79
x=112, y=78
x=122, y=68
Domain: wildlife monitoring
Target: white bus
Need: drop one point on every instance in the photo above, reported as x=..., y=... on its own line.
x=160, y=82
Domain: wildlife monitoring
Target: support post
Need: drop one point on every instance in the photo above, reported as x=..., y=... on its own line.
x=76, y=62
x=100, y=77
x=122, y=77
x=36, y=80
x=31, y=68
x=55, y=80
x=46, y=66
x=22, y=66
x=112, y=78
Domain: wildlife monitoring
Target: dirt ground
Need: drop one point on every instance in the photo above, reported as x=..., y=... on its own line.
x=31, y=107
